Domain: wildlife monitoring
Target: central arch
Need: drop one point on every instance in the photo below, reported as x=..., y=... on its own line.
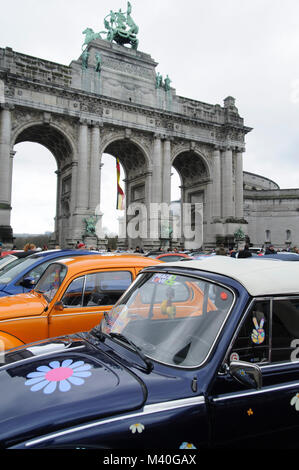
x=135, y=163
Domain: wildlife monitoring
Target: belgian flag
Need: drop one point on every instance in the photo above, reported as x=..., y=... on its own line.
x=120, y=203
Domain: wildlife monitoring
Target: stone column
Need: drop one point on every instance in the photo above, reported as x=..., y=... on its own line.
x=58, y=205
x=5, y=172
x=239, y=200
x=74, y=186
x=73, y=202
x=5, y=161
x=157, y=170
x=166, y=180
x=216, y=189
x=95, y=169
x=156, y=192
x=227, y=183
x=83, y=173
x=12, y=154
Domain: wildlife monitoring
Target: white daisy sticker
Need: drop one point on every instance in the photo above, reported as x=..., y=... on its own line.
x=187, y=445
x=62, y=375
x=295, y=401
x=137, y=427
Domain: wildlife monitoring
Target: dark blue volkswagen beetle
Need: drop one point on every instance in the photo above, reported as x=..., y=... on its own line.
x=194, y=355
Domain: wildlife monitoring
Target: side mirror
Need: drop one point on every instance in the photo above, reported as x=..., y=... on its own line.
x=248, y=374
x=59, y=305
x=28, y=283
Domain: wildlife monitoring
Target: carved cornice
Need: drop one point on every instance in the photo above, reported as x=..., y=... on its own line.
x=94, y=104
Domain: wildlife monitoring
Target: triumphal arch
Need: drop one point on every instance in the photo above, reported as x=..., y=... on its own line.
x=113, y=100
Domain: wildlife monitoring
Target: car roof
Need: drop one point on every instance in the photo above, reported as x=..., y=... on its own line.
x=183, y=255
x=258, y=278
x=117, y=261
x=55, y=253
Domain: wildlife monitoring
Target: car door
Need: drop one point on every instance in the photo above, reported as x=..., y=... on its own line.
x=81, y=305
x=267, y=417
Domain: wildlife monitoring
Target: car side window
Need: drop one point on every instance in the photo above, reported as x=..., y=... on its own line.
x=106, y=287
x=36, y=272
x=285, y=329
x=74, y=293
x=253, y=339
x=270, y=332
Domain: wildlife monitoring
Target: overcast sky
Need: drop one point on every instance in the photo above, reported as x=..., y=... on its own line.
x=248, y=49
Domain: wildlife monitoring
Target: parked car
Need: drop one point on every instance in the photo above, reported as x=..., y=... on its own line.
x=171, y=257
x=256, y=249
x=283, y=255
x=22, y=274
x=70, y=296
x=6, y=260
x=9, y=260
x=221, y=372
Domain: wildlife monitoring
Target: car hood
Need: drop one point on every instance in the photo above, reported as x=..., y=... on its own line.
x=56, y=383
x=22, y=305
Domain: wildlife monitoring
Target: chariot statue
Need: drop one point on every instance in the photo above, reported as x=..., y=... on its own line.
x=119, y=27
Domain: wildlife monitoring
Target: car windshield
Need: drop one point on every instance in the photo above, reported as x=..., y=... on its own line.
x=51, y=280
x=11, y=271
x=8, y=259
x=173, y=319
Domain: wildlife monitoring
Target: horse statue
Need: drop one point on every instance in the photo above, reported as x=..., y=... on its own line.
x=90, y=35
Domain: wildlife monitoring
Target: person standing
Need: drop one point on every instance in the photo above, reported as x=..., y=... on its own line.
x=245, y=253
x=270, y=250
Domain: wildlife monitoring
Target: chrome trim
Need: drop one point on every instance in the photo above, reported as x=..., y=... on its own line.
x=33, y=317
x=278, y=365
x=255, y=392
x=54, y=315
x=148, y=409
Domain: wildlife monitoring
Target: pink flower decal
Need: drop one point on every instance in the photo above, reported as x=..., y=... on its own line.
x=62, y=375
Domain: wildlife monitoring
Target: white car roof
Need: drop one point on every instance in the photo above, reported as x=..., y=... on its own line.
x=259, y=277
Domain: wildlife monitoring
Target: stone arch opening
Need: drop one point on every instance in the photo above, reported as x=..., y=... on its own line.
x=34, y=186
x=48, y=138
x=111, y=217
x=135, y=184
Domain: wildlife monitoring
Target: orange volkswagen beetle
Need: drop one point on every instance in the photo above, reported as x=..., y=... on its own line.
x=70, y=296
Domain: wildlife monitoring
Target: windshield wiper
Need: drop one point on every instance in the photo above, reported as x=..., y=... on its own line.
x=149, y=364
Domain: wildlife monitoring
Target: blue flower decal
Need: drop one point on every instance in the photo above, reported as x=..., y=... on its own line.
x=58, y=375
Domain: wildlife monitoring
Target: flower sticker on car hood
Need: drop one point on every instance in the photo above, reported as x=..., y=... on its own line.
x=58, y=375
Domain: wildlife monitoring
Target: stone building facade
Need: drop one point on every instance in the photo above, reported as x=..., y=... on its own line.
x=272, y=213
x=81, y=111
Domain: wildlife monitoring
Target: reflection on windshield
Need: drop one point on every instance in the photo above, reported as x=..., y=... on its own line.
x=6, y=260
x=51, y=280
x=15, y=268
x=173, y=319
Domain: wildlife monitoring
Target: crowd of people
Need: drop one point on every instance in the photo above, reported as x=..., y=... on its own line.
x=245, y=252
